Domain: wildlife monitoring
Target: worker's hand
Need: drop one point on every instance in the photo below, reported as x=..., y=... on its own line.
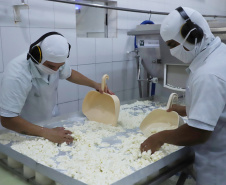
x=152, y=143
x=181, y=110
x=58, y=135
x=106, y=90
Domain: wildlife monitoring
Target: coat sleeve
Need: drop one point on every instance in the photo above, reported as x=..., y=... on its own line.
x=65, y=71
x=14, y=92
x=207, y=102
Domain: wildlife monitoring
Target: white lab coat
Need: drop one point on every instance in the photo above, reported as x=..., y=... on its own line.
x=205, y=107
x=25, y=92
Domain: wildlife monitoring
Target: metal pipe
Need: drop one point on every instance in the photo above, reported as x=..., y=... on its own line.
x=138, y=73
x=123, y=9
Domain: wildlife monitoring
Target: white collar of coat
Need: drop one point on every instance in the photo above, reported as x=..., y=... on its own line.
x=34, y=71
x=201, y=57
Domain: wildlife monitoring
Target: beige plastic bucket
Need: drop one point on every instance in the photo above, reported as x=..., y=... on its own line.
x=103, y=108
x=159, y=119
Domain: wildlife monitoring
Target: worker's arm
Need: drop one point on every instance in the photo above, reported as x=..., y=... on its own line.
x=182, y=136
x=80, y=79
x=20, y=125
x=181, y=110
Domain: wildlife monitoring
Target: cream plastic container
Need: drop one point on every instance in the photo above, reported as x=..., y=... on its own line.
x=103, y=108
x=161, y=119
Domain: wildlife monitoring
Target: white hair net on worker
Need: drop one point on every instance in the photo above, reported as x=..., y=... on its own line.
x=171, y=26
x=55, y=49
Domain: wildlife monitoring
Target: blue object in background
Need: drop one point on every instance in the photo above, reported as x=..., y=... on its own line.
x=77, y=7
x=144, y=22
x=153, y=85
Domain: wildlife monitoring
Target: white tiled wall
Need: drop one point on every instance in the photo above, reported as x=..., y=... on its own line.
x=80, y=104
x=0, y=79
x=68, y=107
x=15, y=40
x=90, y=72
x=7, y=14
x=131, y=79
x=131, y=94
x=86, y=50
x=104, y=68
x=103, y=50
x=41, y=14
x=121, y=46
x=127, y=95
x=120, y=95
x=64, y=16
x=92, y=57
x=119, y=76
x=36, y=33
x=67, y=92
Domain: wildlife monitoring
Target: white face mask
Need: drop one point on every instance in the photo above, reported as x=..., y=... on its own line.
x=180, y=53
x=45, y=69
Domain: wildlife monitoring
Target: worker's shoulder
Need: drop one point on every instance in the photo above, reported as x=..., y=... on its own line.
x=18, y=67
x=215, y=64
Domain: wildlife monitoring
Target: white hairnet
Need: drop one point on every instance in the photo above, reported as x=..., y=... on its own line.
x=171, y=26
x=54, y=49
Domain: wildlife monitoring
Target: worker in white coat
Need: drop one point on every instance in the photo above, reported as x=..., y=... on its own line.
x=29, y=88
x=190, y=40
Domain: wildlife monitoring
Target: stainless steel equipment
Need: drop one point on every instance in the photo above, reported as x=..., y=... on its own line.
x=154, y=173
x=153, y=55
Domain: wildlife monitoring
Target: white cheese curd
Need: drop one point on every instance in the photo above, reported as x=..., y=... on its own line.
x=100, y=154
x=6, y=138
x=39, y=149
